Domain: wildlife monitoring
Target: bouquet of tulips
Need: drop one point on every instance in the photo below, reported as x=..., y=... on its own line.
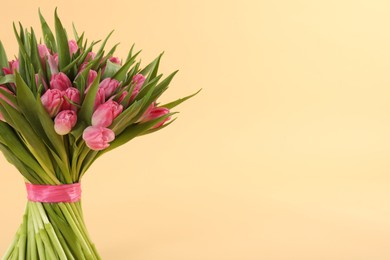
x=62, y=105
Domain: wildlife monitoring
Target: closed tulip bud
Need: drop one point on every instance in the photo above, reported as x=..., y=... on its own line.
x=97, y=137
x=90, y=56
x=60, y=81
x=138, y=80
x=109, y=86
x=122, y=97
x=39, y=80
x=13, y=65
x=106, y=113
x=73, y=94
x=73, y=47
x=65, y=121
x=115, y=60
x=99, y=99
x=43, y=51
x=52, y=101
x=91, y=77
x=82, y=67
x=153, y=113
x=52, y=60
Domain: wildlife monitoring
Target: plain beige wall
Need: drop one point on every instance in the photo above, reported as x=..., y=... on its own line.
x=283, y=156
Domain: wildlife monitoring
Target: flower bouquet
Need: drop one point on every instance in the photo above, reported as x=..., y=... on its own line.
x=62, y=106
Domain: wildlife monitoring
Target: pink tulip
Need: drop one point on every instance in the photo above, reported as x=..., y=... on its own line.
x=138, y=80
x=43, y=52
x=60, y=81
x=97, y=137
x=90, y=56
x=73, y=47
x=122, y=97
x=153, y=113
x=99, y=99
x=115, y=60
x=106, y=113
x=73, y=94
x=65, y=121
x=109, y=86
x=82, y=67
x=39, y=80
x=52, y=101
x=13, y=65
x=52, y=60
x=91, y=77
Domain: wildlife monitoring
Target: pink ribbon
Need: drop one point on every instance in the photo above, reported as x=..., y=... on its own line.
x=54, y=193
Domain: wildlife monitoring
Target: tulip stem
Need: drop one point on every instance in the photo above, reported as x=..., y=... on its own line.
x=52, y=231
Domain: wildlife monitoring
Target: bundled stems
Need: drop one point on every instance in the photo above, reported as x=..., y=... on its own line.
x=52, y=231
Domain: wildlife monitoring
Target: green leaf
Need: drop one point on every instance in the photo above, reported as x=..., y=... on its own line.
x=126, y=117
x=71, y=65
x=9, y=96
x=32, y=140
x=3, y=59
x=130, y=52
x=111, y=69
x=131, y=74
x=35, y=53
x=76, y=35
x=22, y=168
x=120, y=75
x=86, y=110
x=150, y=131
x=48, y=36
x=7, y=79
x=39, y=119
x=179, y=101
x=104, y=43
x=151, y=69
x=146, y=88
x=162, y=86
x=133, y=131
x=62, y=43
x=19, y=150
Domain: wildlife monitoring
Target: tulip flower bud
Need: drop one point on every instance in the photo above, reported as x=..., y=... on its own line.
x=52, y=101
x=99, y=99
x=106, y=113
x=52, y=60
x=73, y=94
x=98, y=137
x=13, y=65
x=115, y=60
x=73, y=47
x=138, y=80
x=91, y=77
x=60, y=81
x=65, y=121
x=153, y=113
x=90, y=56
x=109, y=86
x=122, y=97
x=40, y=80
x=43, y=51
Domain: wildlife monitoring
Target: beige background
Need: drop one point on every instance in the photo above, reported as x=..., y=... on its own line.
x=283, y=156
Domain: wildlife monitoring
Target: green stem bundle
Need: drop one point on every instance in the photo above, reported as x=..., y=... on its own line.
x=52, y=231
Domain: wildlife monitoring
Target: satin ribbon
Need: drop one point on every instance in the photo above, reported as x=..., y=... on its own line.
x=54, y=193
